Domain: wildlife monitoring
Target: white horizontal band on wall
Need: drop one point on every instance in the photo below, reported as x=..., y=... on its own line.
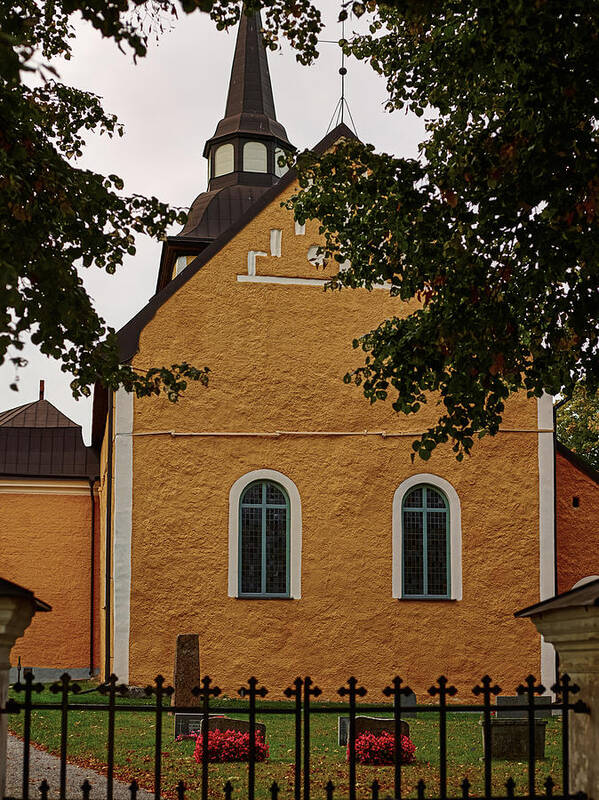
x=277, y=434
x=253, y=278
x=34, y=486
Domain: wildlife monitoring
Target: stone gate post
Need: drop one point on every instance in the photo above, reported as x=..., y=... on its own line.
x=17, y=607
x=570, y=622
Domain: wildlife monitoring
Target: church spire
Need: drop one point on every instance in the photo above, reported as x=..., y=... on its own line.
x=250, y=117
x=243, y=154
x=250, y=91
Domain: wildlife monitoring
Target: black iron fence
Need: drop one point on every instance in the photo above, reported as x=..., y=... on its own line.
x=302, y=692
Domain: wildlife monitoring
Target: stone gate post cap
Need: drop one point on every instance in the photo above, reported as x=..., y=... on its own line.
x=583, y=594
x=10, y=589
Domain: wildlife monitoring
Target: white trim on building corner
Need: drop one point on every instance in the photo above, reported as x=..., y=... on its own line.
x=547, y=587
x=121, y=537
x=455, y=532
x=295, y=528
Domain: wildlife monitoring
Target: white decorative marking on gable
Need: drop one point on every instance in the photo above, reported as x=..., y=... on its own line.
x=294, y=281
x=300, y=230
x=315, y=256
x=252, y=260
x=276, y=236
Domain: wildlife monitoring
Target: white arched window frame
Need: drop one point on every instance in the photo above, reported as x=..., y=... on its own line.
x=455, y=532
x=255, y=157
x=224, y=160
x=295, y=528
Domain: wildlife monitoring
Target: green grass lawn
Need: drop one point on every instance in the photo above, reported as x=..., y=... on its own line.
x=135, y=736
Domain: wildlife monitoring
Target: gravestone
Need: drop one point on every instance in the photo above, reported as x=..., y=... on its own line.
x=186, y=724
x=187, y=669
x=374, y=725
x=505, y=701
x=186, y=676
x=194, y=723
x=509, y=728
x=509, y=738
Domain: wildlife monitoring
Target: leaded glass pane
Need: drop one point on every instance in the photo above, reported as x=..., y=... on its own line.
x=437, y=552
x=413, y=575
x=276, y=550
x=434, y=499
x=253, y=494
x=274, y=496
x=251, y=550
x=414, y=499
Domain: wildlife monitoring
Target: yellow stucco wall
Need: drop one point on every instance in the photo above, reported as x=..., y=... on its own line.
x=45, y=546
x=277, y=355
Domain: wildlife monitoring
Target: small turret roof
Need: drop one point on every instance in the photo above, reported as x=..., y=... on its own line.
x=37, y=440
x=40, y=414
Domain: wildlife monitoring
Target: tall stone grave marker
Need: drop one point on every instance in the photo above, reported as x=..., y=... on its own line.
x=187, y=675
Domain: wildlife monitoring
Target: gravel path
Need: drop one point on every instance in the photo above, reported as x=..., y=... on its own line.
x=43, y=765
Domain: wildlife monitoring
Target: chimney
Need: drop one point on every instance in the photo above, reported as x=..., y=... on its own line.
x=41, y=390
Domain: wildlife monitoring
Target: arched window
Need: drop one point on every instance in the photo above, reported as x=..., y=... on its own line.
x=264, y=540
x=427, y=540
x=265, y=524
x=425, y=556
x=224, y=159
x=255, y=157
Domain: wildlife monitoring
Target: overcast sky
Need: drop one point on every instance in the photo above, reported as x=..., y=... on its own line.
x=170, y=103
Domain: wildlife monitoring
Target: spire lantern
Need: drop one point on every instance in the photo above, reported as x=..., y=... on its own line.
x=248, y=140
x=242, y=154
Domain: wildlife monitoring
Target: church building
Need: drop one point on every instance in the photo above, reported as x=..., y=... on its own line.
x=276, y=513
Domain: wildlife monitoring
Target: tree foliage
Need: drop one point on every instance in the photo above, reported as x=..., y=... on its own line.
x=490, y=236
x=578, y=424
x=492, y=233
x=55, y=215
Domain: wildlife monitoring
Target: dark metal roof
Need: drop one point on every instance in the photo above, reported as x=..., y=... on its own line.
x=10, y=589
x=250, y=105
x=213, y=212
x=37, y=440
x=40, y=414
x=585, y=595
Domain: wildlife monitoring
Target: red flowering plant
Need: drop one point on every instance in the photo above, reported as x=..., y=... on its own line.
x=380, y=749
x=230, y=746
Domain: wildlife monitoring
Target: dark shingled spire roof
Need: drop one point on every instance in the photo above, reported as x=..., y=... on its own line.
x=250, y=104
x=249, y=117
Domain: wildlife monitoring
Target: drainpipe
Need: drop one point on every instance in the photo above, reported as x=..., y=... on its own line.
x=92, y=560
x=108, y=545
